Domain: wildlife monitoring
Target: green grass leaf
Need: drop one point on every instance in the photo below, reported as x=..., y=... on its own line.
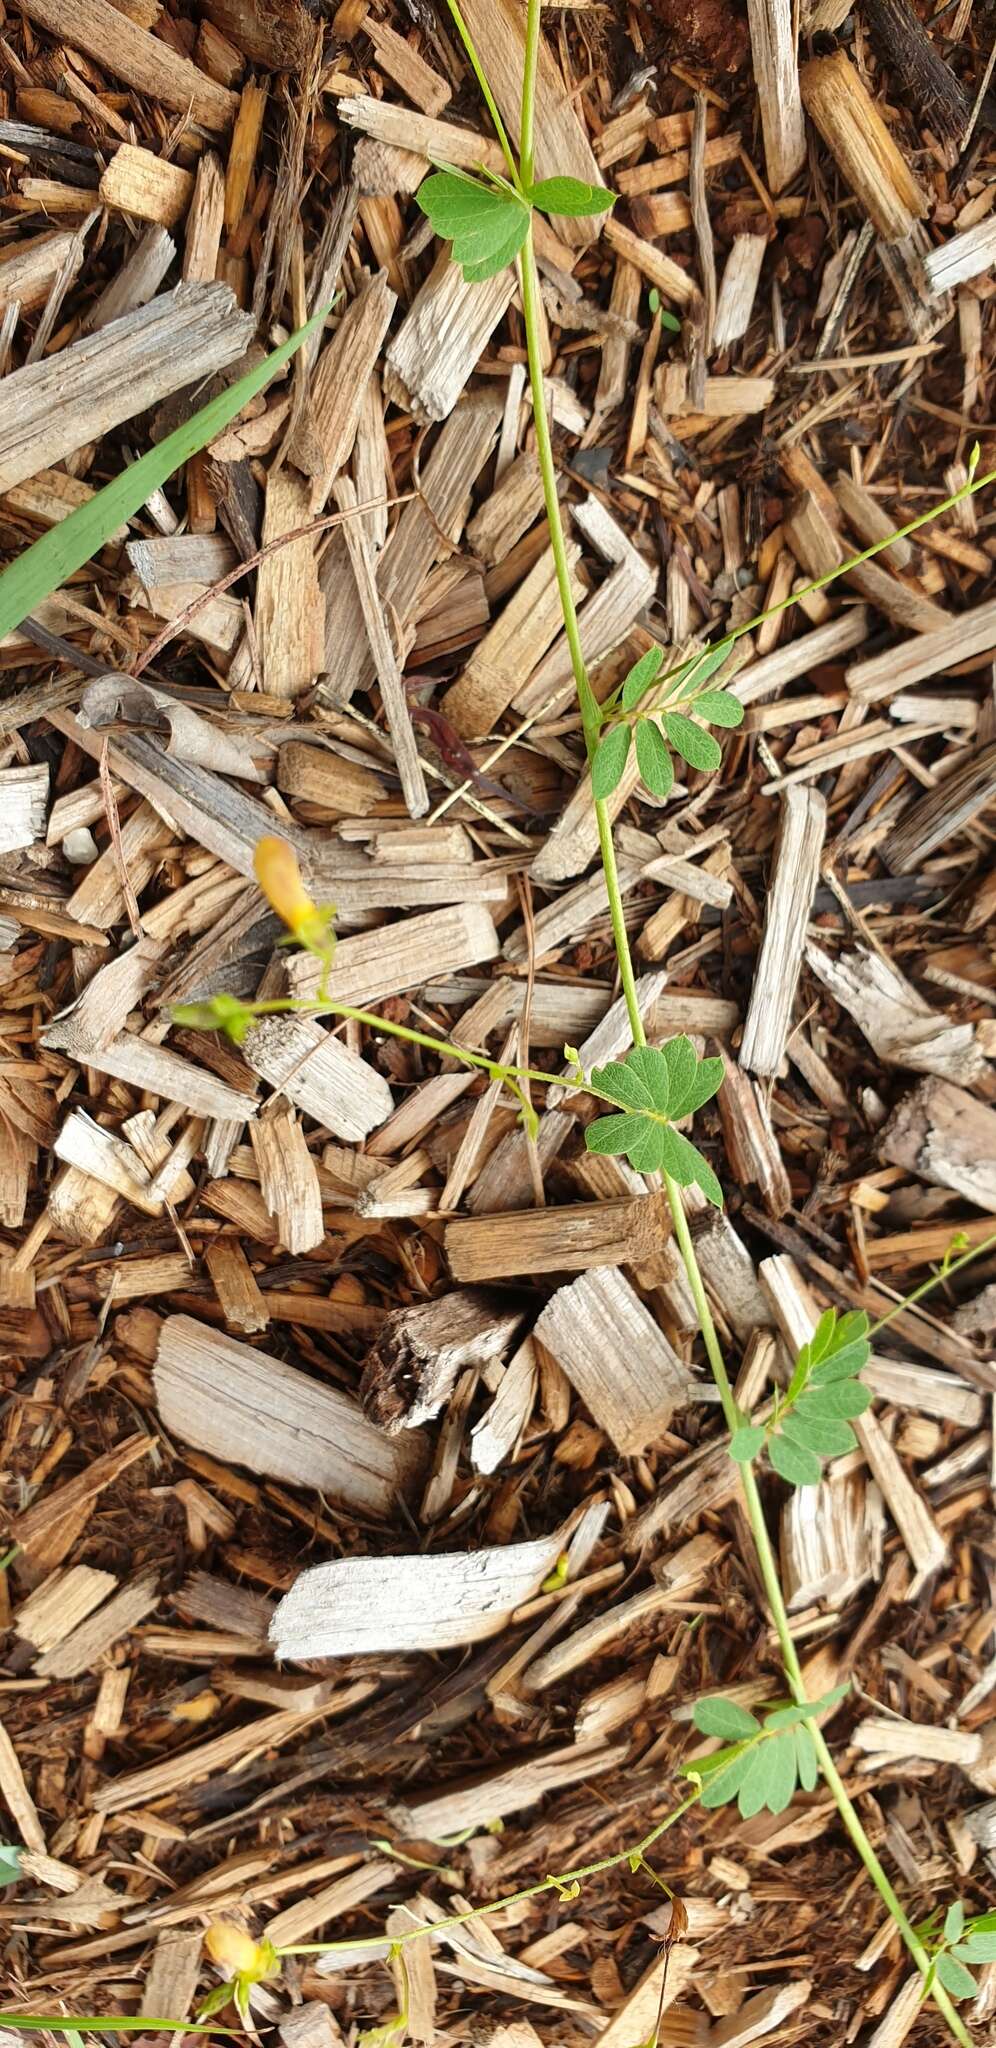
x=719, y=707
x=692, y=742
x=611, y=756
x=46, y=565
x=641, y=675
x=725, y=1719
x=955, y=1978
x=656, y=765
x=571, y=197
x=486, y=222
x=792, y=1462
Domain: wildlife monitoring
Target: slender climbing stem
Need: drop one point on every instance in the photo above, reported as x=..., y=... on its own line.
x=590, y=720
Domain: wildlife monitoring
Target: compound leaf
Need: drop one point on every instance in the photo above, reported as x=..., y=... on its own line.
x=570, y=196
x=725, y=1719
x=644, y=1085
x=486, y=223
x=656, y=765
x=692, y=742
x=640, y=677
x=610, y=760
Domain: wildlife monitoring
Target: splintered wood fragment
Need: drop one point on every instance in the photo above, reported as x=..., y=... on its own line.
x=322, y=1077
x=48, y=1528
x=776, y=76
x=177, y=1773
x=900, y=1026
x=831, y=1541
x=605, y=617
x=768, y=677
x=608, y=1344
x=432, y=1816
x=403, y=955
x=508, y=511
x=428, y=526
x=556, y=1240
x=497, y=1435
x=146, y=186
x=89, y=1643
x=511, y=648
x=360, y=1605
x=738, y=290
x=49, y=409
x=870, y=520
x=240, y=1405
x=29, y=272
x=592, y=1639
x=413, y=1366
x=760, y=2015
x=841, y=107
x=60, y=1603
x=205, y=219
x=960, y=257
x=417, y=79
x=385, y=659
x=442, y=337
x=16, y=1797
x=498, y=28
x=339, y=786
x=660, y=270
x=148, y=63
x=638, y=2017
x=749, y=1137
x=288, y=1181
x=23, y=800
x=795, y=872
x=943, y=811
x=420, y=136
x=946, y=1136
x=890, y=1739
x=323, y=439
x=290, y=607
x=171, y=1978
x=913, y=661
x=819, y=549
x=243, y=1306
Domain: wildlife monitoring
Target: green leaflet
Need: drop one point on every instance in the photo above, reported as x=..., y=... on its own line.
x=719, y=707
x=656, y=765
x=954, y=1977
x=641, y=675
x=656, y=1087
x=692, y=742
x=486, y=222
x=10, y=1862
x=46, y=565
x=570, y=196
x=725, y=1719
x=610, y=760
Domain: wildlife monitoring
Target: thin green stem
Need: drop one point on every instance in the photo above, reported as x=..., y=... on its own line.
x=530, y=61
x=975, y=1251
x=532, y=1891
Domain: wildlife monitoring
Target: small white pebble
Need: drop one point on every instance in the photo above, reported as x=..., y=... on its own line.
x=80, y=847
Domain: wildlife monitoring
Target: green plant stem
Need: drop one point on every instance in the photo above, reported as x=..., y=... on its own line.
x=532, y=1891
x=486, y=93
x=589, y=718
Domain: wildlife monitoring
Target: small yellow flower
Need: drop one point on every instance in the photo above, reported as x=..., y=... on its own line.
x=233, y=1950
x=279, y=877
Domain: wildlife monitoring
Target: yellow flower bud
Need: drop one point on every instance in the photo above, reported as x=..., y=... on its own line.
x=232, y=1949
x=279, y=877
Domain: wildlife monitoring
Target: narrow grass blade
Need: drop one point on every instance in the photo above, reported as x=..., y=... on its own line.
x=64, y=549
